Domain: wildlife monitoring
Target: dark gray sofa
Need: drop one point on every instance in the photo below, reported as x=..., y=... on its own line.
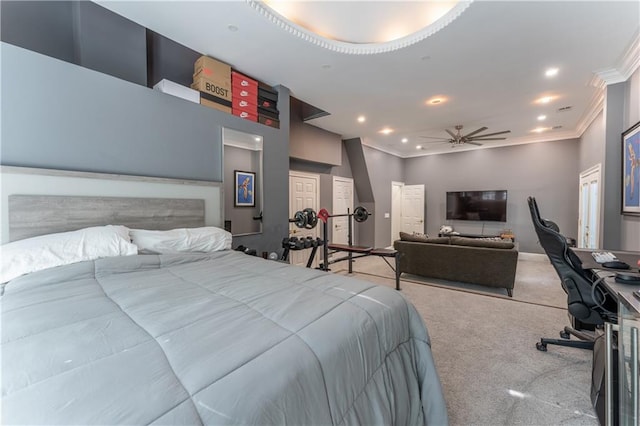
x=469, y=260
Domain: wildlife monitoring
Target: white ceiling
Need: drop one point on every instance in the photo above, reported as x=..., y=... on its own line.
x=489, y=63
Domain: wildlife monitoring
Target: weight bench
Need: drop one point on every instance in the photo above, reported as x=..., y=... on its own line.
x=354, y=252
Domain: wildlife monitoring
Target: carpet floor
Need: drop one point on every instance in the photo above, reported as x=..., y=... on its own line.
x=483, y=343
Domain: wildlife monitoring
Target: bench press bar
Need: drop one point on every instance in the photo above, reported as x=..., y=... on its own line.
x=359, y=252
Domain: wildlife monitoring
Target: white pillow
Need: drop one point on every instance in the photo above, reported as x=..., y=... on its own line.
x=183, y=240
x=47, y=251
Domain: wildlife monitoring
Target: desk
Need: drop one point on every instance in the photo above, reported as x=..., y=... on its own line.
x=628, y=326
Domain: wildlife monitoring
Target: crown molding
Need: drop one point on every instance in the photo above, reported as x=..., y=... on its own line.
x=358, y=48
x=625, y=67
x=593, y=109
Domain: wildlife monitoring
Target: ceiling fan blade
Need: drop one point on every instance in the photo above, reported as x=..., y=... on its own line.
x=481, y=129
x=493, y=134
x=473, y=143
x=453, y=135
x=436, y=142
x=487, y=139
x=433, y=137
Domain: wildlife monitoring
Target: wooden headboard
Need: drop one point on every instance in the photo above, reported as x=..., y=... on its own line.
x=41, y=201
x=33, y=215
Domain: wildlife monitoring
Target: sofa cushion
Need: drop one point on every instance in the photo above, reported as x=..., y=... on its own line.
x=478, y=242
x=405, y=236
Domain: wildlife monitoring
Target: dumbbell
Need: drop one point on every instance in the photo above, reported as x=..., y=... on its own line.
x=296, y=243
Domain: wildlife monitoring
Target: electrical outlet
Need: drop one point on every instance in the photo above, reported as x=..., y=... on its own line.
x=386, y=215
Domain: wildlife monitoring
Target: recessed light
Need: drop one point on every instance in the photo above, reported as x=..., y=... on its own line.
x=386, y=131
x=362, y=119
x=540, y=129
x=542, y=117
x=418, y=146
x=258, y=138
x=405, y=140
x=232, y=28
x=544, y=100
x=551, y=72
x=436, y=100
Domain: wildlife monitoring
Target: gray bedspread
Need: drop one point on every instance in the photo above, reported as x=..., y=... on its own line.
x=223, y=338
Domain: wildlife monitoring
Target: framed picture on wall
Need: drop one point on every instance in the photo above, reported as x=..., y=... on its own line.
x=245, y=183
x=631, y=171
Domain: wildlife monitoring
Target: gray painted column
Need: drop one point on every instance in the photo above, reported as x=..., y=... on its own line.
x=613, y=128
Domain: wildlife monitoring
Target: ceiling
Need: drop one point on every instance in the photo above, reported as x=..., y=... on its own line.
x=486, y=59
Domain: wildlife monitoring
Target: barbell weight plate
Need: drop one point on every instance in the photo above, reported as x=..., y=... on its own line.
x=311, y=218
x=360, y=214
x=300, y=219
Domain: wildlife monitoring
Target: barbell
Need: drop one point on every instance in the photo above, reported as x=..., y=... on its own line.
x=308, y=218
x=360, y=214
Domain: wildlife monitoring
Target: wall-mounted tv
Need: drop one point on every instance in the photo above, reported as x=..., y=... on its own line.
x=487, y=206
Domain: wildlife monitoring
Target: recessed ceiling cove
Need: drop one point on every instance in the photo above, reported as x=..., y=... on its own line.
x=361, y=27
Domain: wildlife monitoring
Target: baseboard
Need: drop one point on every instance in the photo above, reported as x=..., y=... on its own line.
x=536, y=257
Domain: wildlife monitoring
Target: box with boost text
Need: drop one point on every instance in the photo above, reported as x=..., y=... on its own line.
x=218, y=88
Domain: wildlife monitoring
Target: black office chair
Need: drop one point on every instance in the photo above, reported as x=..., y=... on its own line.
x=588, y=303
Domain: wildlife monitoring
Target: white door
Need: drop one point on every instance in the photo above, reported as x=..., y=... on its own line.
x=413, y=208
x=589, y=210
x=342, y=200
x=304, y=192
x=396, y=210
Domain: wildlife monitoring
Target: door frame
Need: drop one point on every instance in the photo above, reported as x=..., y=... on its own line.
x=396, y=212
x=333, y=200
x=597, y=170
x=315, y=231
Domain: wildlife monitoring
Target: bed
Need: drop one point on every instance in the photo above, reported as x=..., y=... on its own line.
x=211, y=338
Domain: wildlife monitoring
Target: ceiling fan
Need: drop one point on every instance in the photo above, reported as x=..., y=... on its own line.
x=472, y=138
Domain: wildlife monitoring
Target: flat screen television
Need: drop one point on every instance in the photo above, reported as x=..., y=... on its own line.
x=486, y=206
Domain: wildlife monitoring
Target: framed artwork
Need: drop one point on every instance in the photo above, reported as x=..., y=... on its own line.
x=631, y=171
x=245, y=183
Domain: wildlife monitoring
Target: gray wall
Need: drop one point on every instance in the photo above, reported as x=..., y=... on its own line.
x=630, y=225
x=601, y=143
x=80, y=32
x=592, y=144
x=545, y=170
x=312, y=143
x=89, y=121
x=383, y=168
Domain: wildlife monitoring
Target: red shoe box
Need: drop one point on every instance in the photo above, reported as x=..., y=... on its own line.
x=244, y=82
x=244, y=114
x=240, y=104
